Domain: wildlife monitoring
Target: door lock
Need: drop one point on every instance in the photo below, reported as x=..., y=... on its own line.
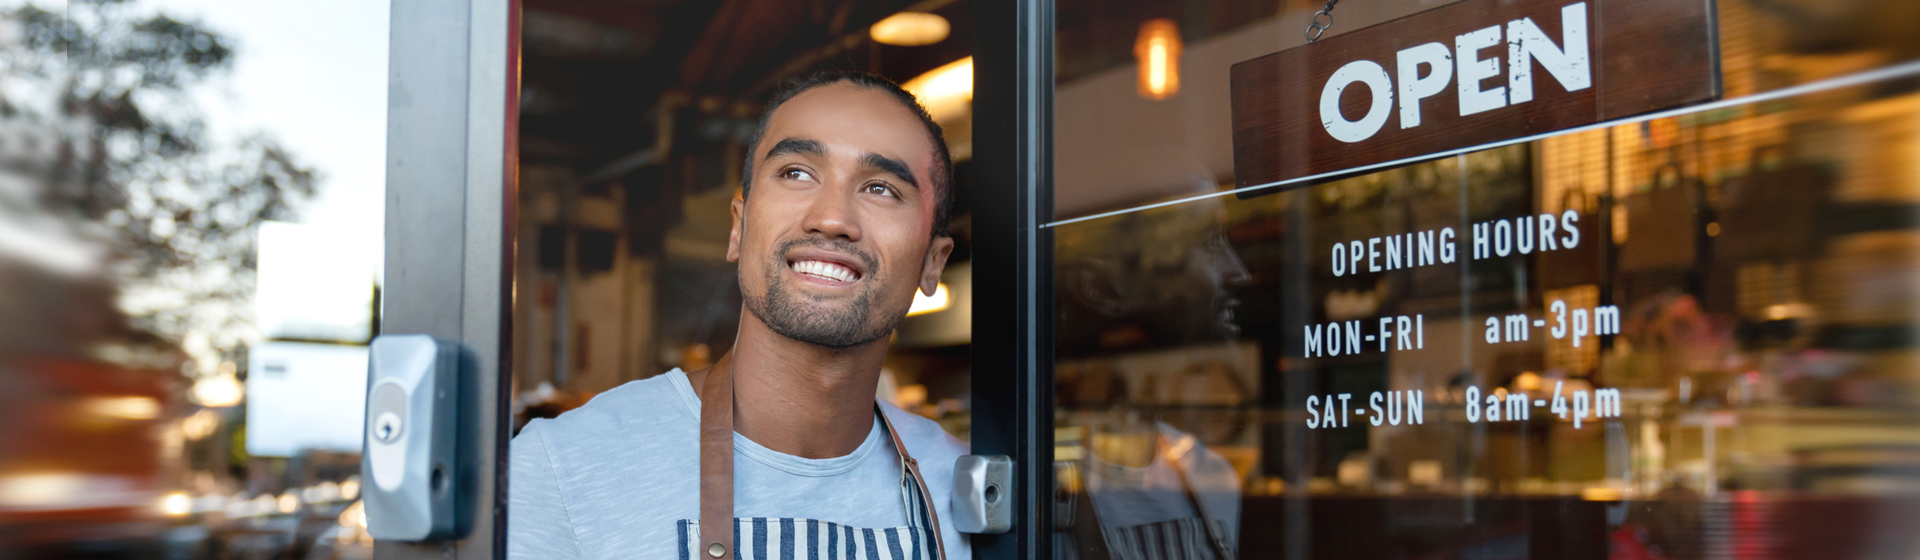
x=412, y=405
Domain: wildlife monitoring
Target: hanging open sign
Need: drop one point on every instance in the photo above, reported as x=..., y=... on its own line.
x=1469, y=73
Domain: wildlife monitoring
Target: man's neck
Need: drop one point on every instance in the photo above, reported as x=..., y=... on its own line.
x=798, y=398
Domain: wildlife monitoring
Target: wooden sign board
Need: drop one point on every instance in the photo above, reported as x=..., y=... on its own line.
x=1465, y=74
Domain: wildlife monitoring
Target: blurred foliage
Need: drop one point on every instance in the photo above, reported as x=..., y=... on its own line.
x=128, y=163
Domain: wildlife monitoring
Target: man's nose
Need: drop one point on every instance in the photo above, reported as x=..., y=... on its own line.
x=1233, y=271
x=831, y=214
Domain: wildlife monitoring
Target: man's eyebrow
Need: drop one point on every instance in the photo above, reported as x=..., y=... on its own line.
x=802, y=146
x=891, y=166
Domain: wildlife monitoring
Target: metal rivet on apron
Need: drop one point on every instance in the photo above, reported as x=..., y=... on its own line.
x=716, y=550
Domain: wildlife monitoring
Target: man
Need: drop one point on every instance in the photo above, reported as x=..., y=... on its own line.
x=842, y=217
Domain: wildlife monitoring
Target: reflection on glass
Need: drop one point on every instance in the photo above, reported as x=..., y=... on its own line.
x=178, y=373
x=1688, y=338
x=1156, y=293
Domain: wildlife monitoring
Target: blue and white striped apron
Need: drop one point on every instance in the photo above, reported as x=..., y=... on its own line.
x=767, y=538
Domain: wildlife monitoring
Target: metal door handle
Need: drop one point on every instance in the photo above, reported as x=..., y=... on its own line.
x=981, y=504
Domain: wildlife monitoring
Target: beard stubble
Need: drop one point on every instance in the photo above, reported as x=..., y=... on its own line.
x=787, y=312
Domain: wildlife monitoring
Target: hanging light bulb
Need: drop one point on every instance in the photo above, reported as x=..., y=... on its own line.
x=1158, y=51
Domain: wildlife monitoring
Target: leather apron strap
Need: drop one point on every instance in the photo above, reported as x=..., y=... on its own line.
x=716, y=461
x=1214, y=537
x=912, y=469
x=716, y=467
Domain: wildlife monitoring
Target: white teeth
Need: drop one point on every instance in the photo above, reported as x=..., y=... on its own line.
x=824, y=270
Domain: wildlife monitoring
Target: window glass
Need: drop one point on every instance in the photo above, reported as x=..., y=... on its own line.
x=1683, y=337
x=191, y=242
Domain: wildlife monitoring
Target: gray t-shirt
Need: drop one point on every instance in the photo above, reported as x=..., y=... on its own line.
x=613, y=478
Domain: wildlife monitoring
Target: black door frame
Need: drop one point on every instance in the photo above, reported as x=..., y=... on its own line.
x=1013, y=263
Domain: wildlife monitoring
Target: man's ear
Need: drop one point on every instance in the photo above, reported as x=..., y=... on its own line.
x=1096, y=284
x=733, y=238
x=937, y=254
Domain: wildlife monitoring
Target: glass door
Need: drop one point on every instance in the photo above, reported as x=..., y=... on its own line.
x=1679, y=335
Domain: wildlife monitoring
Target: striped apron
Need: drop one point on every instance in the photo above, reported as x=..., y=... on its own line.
x=1174, y=539
x=764, y=538
x=1079, y=534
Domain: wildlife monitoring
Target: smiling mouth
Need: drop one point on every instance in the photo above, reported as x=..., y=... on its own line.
x=1226, y=312
x=824, y=270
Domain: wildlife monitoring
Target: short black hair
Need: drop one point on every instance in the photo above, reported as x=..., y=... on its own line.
x=942, y=159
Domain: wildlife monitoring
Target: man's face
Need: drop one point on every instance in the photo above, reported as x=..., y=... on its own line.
x=1170, y=271
x=837, y=232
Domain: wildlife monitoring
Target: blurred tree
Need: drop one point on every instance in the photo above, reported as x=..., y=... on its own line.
x=104, y=92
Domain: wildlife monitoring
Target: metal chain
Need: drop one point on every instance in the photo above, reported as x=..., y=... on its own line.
x=1322, y=21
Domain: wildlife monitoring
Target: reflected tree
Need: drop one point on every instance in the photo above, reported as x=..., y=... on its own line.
x=98, y=98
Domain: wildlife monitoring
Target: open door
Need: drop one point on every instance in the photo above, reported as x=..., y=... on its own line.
x=610, y=269
x=453, y=93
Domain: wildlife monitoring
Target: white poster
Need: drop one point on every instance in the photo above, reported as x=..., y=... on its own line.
x=305, y=396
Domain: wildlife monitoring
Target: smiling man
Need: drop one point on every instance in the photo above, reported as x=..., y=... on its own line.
x=779, y=450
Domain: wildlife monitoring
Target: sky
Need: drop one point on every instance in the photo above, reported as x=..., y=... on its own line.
x=311, y=74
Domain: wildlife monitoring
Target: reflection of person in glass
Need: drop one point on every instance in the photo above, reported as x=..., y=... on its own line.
x=1145, y=489
x=842, y=217
x=1151, y=491
x=1163, y=277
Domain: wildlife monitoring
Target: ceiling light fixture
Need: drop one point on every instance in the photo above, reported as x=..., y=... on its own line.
x=1158, y=50
x=946, y=92
x=910, y=29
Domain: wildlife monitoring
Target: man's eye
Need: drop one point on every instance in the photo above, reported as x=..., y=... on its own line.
x=796, y=174
x=881, y=189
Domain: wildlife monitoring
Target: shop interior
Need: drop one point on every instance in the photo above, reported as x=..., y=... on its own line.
x=633, y=120
x=1743, y=373
x=1760, y=258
